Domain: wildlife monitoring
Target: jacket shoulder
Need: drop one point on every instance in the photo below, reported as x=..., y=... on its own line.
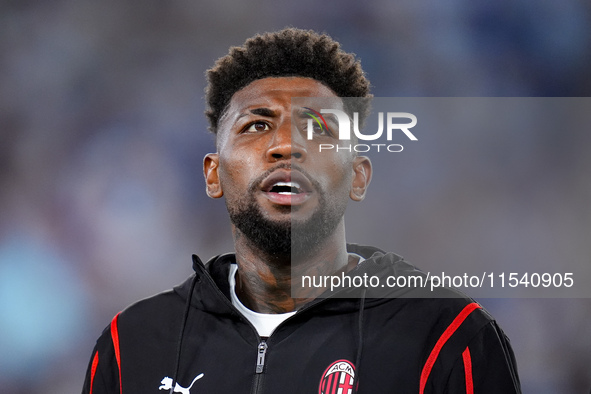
x=140, y=316
x=467, y=347
x=146, y=327
x=161, y=312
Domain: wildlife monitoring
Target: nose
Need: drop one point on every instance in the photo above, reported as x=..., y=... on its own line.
x=286, y=145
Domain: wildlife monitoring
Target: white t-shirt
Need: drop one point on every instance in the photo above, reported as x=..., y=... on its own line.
x=265, y=323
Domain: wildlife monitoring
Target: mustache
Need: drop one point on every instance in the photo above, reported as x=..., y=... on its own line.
x=255, y=184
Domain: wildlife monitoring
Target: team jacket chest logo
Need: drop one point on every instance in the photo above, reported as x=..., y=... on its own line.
x=167, y=385
x=338, y=378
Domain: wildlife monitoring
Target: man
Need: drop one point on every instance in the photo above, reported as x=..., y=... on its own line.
x=235, y=326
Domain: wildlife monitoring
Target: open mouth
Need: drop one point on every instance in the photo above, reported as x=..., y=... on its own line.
x=286, y=188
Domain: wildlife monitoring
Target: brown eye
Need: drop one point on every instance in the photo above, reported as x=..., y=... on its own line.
x=258, y=127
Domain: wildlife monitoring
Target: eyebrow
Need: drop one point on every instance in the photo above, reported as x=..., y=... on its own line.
x=303, y=113
x=259, y=111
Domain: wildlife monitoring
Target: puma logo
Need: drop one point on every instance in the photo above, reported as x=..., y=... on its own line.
x=167, y=385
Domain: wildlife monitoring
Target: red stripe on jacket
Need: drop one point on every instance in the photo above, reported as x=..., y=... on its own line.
x=115, y=337
x=468, y=371
x=449, y=331
x=93, y=369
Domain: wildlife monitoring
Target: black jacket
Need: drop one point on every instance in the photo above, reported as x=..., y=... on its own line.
x=399, y=342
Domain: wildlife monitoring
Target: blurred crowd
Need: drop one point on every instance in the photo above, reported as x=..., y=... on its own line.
x=102, y=136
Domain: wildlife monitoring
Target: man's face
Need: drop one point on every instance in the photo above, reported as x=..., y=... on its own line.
x=279, y=188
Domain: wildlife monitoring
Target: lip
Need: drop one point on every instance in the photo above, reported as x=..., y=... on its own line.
x=286, y=176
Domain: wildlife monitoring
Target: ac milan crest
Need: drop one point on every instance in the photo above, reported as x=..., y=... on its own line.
x=338, y=378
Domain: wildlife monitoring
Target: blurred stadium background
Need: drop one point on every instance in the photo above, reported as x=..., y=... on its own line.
x=102, y=136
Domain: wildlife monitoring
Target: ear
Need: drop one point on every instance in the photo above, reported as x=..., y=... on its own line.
x=361, y=177
x=211, y=165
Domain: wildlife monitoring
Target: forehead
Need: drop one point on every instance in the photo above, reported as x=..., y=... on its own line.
x=273, y=92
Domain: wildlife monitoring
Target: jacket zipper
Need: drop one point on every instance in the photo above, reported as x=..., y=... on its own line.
x=262, y=346
x=261, y=356
x=260, y=367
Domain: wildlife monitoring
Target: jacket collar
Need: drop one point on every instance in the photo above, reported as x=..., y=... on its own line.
x=212, y=292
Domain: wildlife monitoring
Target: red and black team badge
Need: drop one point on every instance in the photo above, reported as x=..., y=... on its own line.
x=338, y=378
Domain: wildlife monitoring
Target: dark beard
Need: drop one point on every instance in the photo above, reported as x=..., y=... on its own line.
x=286, y=239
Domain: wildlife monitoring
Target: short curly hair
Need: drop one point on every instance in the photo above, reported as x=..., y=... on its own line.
x=288, y=52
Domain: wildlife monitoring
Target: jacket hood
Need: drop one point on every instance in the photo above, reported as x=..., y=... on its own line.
x=380, y=266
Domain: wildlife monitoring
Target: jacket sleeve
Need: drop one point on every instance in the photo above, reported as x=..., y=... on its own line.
x=102, y=375
x=486, y=365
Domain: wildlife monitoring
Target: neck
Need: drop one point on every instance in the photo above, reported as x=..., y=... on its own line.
x=264, y=283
